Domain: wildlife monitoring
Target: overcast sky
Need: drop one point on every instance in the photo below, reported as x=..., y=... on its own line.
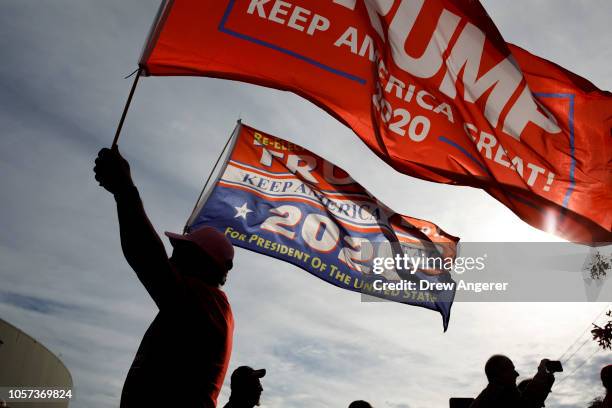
x=64, y=281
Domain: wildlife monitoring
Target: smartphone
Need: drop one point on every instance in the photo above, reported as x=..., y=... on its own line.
x=461, y=402
x=554, y=367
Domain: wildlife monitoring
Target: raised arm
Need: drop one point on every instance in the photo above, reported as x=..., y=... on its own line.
x=538, y=389
x=142, y=247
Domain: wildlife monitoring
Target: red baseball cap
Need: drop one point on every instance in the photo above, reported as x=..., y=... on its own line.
x=210, y=240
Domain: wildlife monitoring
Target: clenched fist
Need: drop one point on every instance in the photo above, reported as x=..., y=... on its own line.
x=113, y=171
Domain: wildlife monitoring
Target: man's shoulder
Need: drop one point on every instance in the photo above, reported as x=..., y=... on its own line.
x=205, y=291
x=492, y=397
x=209, y=300
x=197, y=298
x=491, y=391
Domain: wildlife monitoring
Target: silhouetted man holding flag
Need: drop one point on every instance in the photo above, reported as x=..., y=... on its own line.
x=183, y=357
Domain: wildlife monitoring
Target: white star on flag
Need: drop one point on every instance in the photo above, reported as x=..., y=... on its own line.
x=242, y=211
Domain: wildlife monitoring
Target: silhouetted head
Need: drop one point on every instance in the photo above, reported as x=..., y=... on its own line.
x=606, y=377
x=245, y=386
x=205, y=253
x=360, y=404
x=500, y=370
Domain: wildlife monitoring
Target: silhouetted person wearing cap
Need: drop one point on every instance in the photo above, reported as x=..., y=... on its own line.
x=246, y=387
x=183, y=357
x=502, y=391
x=360, y=404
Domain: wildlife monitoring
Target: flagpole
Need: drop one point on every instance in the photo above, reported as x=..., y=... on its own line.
x=126, y=107
x=212, y=171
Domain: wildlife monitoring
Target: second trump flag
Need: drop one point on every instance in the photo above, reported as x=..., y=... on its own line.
x=278, y=199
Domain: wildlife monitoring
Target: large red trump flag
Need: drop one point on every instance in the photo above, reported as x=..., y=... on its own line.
x=431, y=87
